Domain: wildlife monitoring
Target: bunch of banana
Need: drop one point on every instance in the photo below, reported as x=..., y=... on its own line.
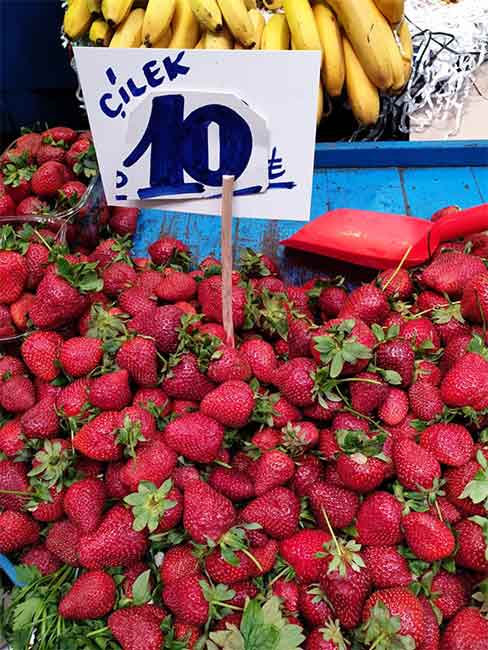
x=365, y=44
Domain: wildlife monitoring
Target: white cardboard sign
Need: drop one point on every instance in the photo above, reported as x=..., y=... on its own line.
x=167, y=124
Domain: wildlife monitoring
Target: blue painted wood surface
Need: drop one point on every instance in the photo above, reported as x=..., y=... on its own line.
x=420, y=179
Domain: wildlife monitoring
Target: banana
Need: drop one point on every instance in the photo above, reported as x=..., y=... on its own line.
x=201, y=43
x=238, y=21
x=186, y=29
x=100, y=33
x=94, y=7
x=163, y=42
x=333, y=68
x=77, y=19
x=250, y=4
x=222, y=41
x=397, y=64
x=258, y=22
x=406, y=49
x=392, y=10
x=320, y=104
x=116, y=11
x=370, y=35
x=157, y=19
x=208, y=14
x=273, y=5
x=129, y=33
x=276, y=34
x=303, y=29
x=363, y=95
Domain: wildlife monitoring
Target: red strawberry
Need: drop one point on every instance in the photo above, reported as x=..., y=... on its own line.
x=287, y=591
x=31, y=205
x=37, y=258
x=415, y=466
x=331, y=301
x=299, y=338
x=72, y=192
x=313, y=604
x=401, y=604
x=394, y=408
x=19, y=190
x=179, y=562
x=117, y=277
x=277, y=512
x=472, y=550
x=130, y=576
x=19, y=311
x=261, y=357
x=10, y=366
x=92, y=595
x=207, y=514
x=63, y=541
x=41, y=421
x=7, y=204
x=452, y=594
x=195, y=436
x=13, y=276
x=17, y=394
x=427, y=536
x=235, y=485
x=399, y=283
x=153, y=462
x=450, y=272
x=13, y=477
x=468, y=630
x=123, y=221
x=397, y=354
x=166, y=248
x=58, y=133
x=134, y=301
x=466, y=383
x=185, y=598
x=136, y=629
x=426, y=370
x=379, y=520
x=425, y=400
x=360, y=473
x=111, y=391
x=83, y=503
x=29, y=142
x=300, y=551
x=16, y=531
x=42, y=559
x=457, y=478
x=186, y=381
x=11, y=442
x=368, y=392
x=114, y=543
x=210, y=298
x=421, y=333
x=350, y=336
x=367, y=303
x=431, y=626
x=50, y=152
x=294, y=380
x=231, y=365
x=325, y=638
x=48, y=179
x=176, y=286
x=387, y=567
x=340, y=505
x=231, y=404
x=474, y=303
x=73, y=397
x=450, y=443
x=50, y=510
x=308, y=470
x=80, y=355
x=96, y=438
x=40, y=352
x=273, y=468
x=138, y=356
x=76, y=151
x=57, y=302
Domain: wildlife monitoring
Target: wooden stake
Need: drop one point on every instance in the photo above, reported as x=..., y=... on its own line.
x=226, y=245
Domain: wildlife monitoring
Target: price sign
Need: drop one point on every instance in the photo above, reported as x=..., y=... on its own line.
x=169, y=124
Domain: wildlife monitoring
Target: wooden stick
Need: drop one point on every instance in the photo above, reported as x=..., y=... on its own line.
x=226, y=245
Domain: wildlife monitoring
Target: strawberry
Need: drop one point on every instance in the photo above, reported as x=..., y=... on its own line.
x=52, y=510
x=41, y=421
x=117, y=277
x=71, y=193
x=231, y=404
x=387, y=567
x=16, y=531
x=394, y=407
x=176, y=286
x=426, y=400
x=210, y=298
x=284, y=412
x=308, y=470
x=58, y=133
x=367, y=303
x=11, y=442
x=111, y=392
x=50, y=152
x=300, y=551
x=80, y=355
x=472, y=552
x=426, y=370
x=341, y=505
x=313, y=604
x=231, y=365
x=399, y=283
x=397, y=354
x=273, y=468
x=10, y=366
x=134, y=301
x=379, y=520
x=13, y=477
x=195, y=436
x=287, y=591
x=186, y=599
x=42, y=559
x=19, y=190
x=83, y=503
x=17, y=394
x=299, y=338
x=277, y=512
x=92, y=595
x=63, y=541
x=7, y=204
x=207, y=514
x=450, y=443
x=361, y=473
x=96, y=438
x=474, y=303
x=179, y=562
x=457, y=479
x=135, y=629
x=166, y=249
x=7, y=328
x=114, y=542
x=153, y=462
x=37, y=258
x=235, y=485
x=421, y=334
x=452, y=594
x=346, y=342
x=427, y=536
x=400, y=604
x=450, y=272
x=28, y=142
x=73, y=397
x=19, y=311
x=415, y=466
x=294, y=380
x=138, y=357
x=31, y=205
x=40, y=352
x=368, y=392
x=186, y=381
x=123, y=221
x=431, y=626
x=13, y=276
x=75, y=153
x=468, y=630
x=48, y=179
x=261, y=357
x=131, y=574
x=466, y=383
x=331, y=301
x=325, y=638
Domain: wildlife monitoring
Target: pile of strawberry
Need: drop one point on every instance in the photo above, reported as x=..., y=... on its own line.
x=321, y=485
x=46, y=173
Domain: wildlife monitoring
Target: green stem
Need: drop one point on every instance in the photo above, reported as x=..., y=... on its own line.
x=279, y=575
x=102, y=630
x=16, y=493
x=222, y=464
x=252, y=558
x=223, y=604
x=349, y=408
x=381, y=638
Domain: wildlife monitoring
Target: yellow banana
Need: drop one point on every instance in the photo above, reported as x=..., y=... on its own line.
x=157, y=19
x=221, y=41
x=397, y=64
x=201, y=43
x=276, y=34
x=333, y=68
x=208, y=14
x=303, y=29
x=392, y=10
x=258, y=22
x=370, y=35
x=363, y=95
x=116, y=11
x=273, y=5
x=238, y=21
x=77, y=19
x=94, y=6
x=100, y=33
x=163, y=42
x=406, y=50
x=129, y=33
x=250, y=4
x=186, y=29
x=320, y=104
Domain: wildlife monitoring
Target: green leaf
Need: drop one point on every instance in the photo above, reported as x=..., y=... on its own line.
x=378, y=332
x=25, y=612
x=392, y=377
x=141, y=592
x=337, y=364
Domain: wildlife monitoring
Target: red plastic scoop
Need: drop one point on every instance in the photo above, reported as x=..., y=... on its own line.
x=379, y=240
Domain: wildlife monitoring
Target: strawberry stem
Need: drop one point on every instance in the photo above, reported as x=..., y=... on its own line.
x=279, y=575
x=102, y=630
x=224, y=604
x=350, y=409
x=222, y=464
x=398, y=268
x=16, y=493
x=252, y=558
x=331, y=531
x=381, y=638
